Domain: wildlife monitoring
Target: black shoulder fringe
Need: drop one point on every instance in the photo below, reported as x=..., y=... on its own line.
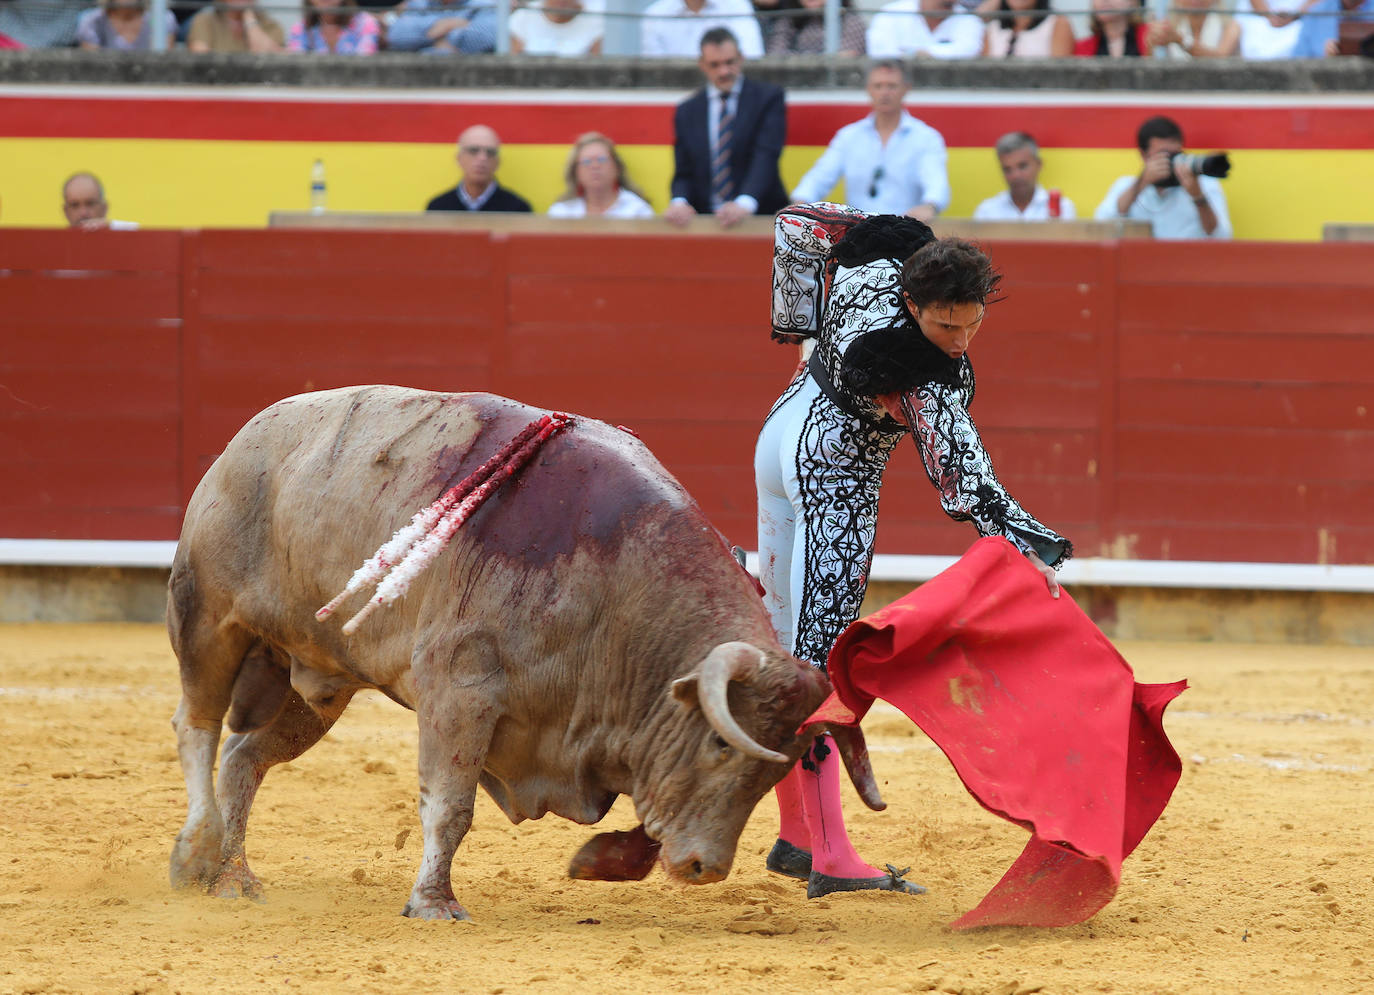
x=895, y=359
x=883, y=236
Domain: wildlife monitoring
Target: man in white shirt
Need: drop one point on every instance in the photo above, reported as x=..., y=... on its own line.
x=924, y=28
x=83, y=203
x=1177, y=202
x=891, y=163
x=1024, y=199
x=674, y=28
x=558, y=27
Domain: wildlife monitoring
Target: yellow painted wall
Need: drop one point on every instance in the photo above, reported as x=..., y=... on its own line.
x=1272, y=194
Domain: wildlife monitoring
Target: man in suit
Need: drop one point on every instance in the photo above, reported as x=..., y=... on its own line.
x=479, y=155
x=727, y=140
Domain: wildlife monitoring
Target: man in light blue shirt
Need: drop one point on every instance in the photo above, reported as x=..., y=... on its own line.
x=1177, y=202
x=437, y=27
x=891, y=163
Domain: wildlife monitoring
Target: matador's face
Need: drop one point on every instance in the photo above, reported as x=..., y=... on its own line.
x=949, y=326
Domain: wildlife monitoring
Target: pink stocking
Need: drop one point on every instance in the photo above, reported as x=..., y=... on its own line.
x=831, y=851
x=791, y=817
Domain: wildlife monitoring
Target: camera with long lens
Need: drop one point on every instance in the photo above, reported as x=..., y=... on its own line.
x=1217, y=164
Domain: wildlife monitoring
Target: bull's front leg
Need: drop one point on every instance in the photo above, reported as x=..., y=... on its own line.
x=456, y=726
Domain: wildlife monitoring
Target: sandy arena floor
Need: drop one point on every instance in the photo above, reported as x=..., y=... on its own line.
x=1258, y=879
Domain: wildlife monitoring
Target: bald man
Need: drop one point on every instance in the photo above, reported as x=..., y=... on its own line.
x=83, y=202
x=479, y=155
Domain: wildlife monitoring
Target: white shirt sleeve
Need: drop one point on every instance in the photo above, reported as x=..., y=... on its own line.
x=933, y=167
x=885, y=35
x=960, y=37
x=1106, y=211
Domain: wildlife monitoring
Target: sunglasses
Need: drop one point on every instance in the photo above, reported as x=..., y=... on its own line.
x=873, y=186
x=594, y=160
x=487, y=150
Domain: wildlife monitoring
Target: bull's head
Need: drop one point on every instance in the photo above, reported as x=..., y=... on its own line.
x=739, y=732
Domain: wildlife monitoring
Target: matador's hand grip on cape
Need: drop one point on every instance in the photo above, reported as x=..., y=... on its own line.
x=1040, y=716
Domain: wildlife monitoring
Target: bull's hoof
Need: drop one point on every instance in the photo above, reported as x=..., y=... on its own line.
x=823, y=884
x=436, y=909
x=616, y=856
x=235, y=880
x=195, y=860
x=789, y=860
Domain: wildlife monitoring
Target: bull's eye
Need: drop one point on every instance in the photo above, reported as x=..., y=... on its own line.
x=720, y=744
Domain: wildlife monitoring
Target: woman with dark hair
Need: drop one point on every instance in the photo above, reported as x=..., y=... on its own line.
x=1027, y=29
x=1118, y=31
x=598, y=184
x=891, y=310
x=797, y=27
x=335, y=27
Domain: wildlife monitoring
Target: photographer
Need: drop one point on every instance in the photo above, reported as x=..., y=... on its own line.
x=1178, y=194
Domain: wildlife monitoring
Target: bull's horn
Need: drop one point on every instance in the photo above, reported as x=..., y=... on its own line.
x=730, y=662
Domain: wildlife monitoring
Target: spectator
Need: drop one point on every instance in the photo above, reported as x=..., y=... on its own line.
x=479, y=156
x=1026, y=29
x=891, y=162
x=558, y=27
x=83, y=202
x=38, y=23
x=234, y=26
x=1269, y=30
x=1024, y=199
x=335, y=27
x=121, y=25
x=1117, y=31
x=727, y=138
x=799, y=29
x=1177, y=202
x=677, y=27
x=436, y=27
x=598, y=184
x=1321, y=26
x=924, y=28
x=1196, y=30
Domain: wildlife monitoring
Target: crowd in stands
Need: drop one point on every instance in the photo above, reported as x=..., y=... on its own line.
x=939, y=29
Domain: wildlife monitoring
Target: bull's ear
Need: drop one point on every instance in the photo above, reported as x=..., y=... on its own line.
x=685, y=691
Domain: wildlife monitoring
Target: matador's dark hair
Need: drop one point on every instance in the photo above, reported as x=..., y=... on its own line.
x=949, y=271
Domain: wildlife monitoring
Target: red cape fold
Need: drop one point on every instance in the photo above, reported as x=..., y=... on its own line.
x=1037, y=711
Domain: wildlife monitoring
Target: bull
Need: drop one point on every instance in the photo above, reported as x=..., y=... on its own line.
x=586, y=634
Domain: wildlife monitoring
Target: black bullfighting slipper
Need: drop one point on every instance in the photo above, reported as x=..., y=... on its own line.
x=790, y=860
x=823, y=884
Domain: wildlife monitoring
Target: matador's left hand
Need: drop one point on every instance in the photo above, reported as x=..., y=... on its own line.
x=1047, y=572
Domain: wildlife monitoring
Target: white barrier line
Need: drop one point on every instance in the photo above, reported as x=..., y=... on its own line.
x=886, y=567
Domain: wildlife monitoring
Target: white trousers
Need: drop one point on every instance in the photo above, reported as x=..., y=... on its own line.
x=818, y=472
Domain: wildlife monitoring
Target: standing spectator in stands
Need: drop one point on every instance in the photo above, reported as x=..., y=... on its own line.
x=891, y=162
x=1196, y=29
x=1027, y=29
x=598, y=184
x=799, y=29
x=437, y=27
x=235, y=26
x=83, y=203
x=479, y=156
x=1117, y=31
x=38, y=23
x=1321, y=26
x=558, y=27
x=927, y=28
x=676, y=28
x=335, y=27
x=121, y=25
x=1024, y=199
x=1270, y=30
x=727, y=138
x=1177, y=202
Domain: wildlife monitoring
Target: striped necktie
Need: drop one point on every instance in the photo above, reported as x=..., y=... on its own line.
x=722, y=186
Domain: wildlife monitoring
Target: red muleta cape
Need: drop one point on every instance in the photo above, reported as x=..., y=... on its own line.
x=1037, y=711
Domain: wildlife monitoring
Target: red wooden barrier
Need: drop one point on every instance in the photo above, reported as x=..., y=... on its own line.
x=1153, y=400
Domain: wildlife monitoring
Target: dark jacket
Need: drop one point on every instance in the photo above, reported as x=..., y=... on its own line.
x=501, y=200
x=760, y=132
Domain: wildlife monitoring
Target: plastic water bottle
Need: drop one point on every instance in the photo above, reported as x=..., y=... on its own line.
x=317, y=191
